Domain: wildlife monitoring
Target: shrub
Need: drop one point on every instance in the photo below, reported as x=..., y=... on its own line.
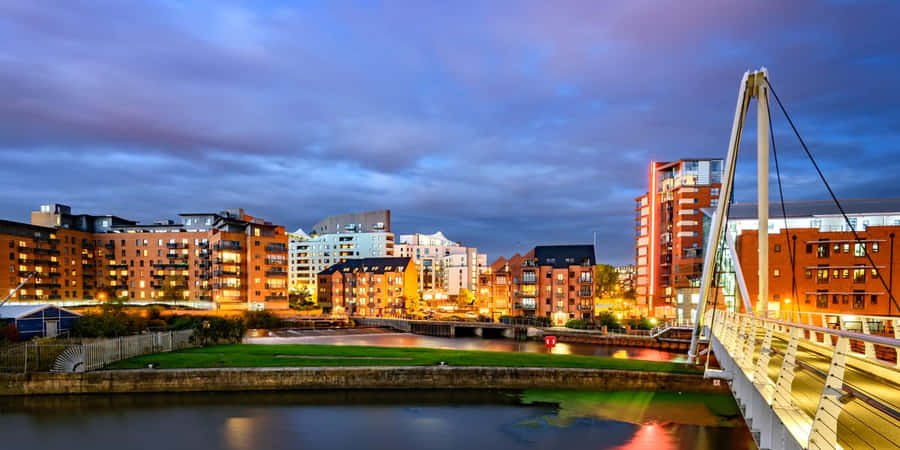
x=640, y=324
x=578, y=324
x=262, y=319
x=8, y=332
x=218, y=330
x=607, y=319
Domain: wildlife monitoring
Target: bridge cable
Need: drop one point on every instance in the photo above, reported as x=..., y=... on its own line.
x=831, y=192
x=717, y=265
x=787, y=240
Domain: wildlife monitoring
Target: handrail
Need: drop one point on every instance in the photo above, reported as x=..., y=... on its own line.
x=880, y=340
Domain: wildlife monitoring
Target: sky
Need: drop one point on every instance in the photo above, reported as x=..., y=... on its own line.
x=504, y=124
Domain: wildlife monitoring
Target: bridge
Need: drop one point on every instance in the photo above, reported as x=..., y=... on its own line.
x=803, y=380
x=446, y=328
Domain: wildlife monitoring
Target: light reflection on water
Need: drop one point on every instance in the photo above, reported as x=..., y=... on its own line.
x=352, y=420
x=477, y=343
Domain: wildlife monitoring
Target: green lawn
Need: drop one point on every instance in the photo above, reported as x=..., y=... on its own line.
x=245, y=355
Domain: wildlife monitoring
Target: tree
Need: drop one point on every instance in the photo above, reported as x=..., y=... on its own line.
x=629, y=294
x=299, y=297
x=465, y=298
x=413, y=305
x=605, y=280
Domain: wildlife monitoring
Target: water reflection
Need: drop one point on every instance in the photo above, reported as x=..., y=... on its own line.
x=358, y=419
x=390, y=339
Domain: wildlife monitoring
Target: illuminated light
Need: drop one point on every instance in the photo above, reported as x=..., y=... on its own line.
x=787, y=300
x=619, y=316
x=653, y=320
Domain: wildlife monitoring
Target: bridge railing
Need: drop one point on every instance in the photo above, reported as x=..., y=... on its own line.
x=873, y=422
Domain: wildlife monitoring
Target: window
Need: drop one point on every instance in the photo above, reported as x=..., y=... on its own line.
x=808, y=299
x=822, y=276
x=807, y=274
x=822, y=250
x=777, y=248
x=834, y=299
x=859, y=275
x=845, y=299
x=859, y=301
x=874, y=274
x=874, y=299
x=845, y=273
x=874, y=247
x=808, y=248
x=846, y=248
x=776, y=273
x=859, y=249
x=836, y=248
x=822, y=300
x=835, y=274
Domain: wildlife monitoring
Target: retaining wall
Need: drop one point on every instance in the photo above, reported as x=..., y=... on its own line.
x=432, y=377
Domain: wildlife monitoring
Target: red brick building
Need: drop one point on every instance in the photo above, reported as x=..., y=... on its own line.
x=231, y=259
x=369, y=287
x=554, y=281
x=494, y=288
x=833, y=272
x=669, y=236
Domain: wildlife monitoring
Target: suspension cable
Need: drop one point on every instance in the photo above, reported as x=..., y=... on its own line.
x=787, y=239
x=831, y=193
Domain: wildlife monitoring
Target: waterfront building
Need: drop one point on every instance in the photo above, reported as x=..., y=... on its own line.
x=368, y=287
x=231, y=259
x=494, y=289
x=444, y=267
x=627, y=275
x=669, y=236
x=555, y=281
x=831, y=269
x=338, y=239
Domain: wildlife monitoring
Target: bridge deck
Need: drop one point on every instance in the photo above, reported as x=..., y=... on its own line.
x=860, y=425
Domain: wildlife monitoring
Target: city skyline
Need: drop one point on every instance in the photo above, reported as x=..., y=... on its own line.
x=502, y=127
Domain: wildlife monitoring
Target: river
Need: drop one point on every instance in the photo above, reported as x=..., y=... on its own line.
x=379, y=337
x=376, y=420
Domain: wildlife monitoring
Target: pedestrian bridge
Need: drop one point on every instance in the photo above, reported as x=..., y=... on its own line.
x=808, y=386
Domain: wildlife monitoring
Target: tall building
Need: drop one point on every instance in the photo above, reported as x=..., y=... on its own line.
x=555, y=281
x=831, y=269
x=669, y=236
x=444, y=266
x=231, y=259
x=335, y=240
x=369, y=287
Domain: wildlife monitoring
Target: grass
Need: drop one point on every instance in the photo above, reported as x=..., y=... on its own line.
x=245, y=355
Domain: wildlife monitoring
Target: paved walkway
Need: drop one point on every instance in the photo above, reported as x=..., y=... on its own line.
x=860, y=426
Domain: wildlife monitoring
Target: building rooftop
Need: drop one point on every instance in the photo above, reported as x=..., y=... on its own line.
x=556, y=255
x=19, y=311
x=811, y=208
x=369, y=265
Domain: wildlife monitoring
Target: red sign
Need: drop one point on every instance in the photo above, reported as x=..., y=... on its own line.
x=550, y=341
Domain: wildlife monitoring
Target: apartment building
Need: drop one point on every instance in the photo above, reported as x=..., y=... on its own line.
x=494, y=289
x=337, y=239
x=831, y=269
x=444, y=266
x=230, y=259
x=555, y=281
x=368, y=287
x=669, y=236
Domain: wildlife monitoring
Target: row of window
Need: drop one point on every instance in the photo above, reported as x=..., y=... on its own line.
x=823, y=275
x=824, y=250
x=859, y=299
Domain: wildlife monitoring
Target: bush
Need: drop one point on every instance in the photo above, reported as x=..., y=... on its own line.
x=607, y=319
x=262, y=320
x=218, y=330
x=640, y=324
x=578, y=324
x=110, y=322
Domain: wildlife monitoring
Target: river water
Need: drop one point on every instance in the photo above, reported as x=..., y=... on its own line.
x=375, y=420
x=378, y=337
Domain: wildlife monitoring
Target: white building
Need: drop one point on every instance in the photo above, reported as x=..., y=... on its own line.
x=335, y=240
x=444, y=266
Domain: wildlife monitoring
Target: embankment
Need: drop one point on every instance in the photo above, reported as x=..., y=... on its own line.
x=297, y=378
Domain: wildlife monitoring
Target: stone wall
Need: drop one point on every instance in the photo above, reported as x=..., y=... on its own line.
x=247, y=379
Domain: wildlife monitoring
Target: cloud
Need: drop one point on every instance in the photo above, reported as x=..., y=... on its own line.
x=504, y=124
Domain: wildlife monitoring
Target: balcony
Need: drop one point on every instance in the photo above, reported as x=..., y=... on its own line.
x=584, y=307
x=276, y=298
x=528, y=304
x=158, y=276
x=176, y=265
x=276, y=248
x=175, y=245
x=109, y=246
x=164, y=285
x=45, y=251
x=227, y=245
x=25, y=249
x=52, y=274
x=276, y=273
x=204, y=297
x=204, y=254
x=117, y=266
x=46, y=285
x=110, y=255
x=226, y=273
x=88, y=274
x=584, y=293
x=226, y=286
x=205, y=265
x=585, y=280
x=204, y=287
x=172, y=255
x=226, y=261
x=276, y=261
x=204, y=244
x=205, y=276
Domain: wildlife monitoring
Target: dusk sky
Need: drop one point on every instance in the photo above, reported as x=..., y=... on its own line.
x=504, y=124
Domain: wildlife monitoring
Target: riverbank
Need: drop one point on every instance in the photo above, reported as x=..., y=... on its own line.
x=303, y=355
x=341, y=378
